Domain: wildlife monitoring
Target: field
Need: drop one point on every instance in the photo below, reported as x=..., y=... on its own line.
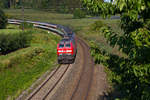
x=19, y=69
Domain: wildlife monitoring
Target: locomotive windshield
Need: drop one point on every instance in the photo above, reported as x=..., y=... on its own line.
x=68, y=45
x=61, y=45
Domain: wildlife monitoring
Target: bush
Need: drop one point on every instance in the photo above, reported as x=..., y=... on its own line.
x=3, y=20
x=79, y=14
x=99, y=55
x=63, y=9
x=97, y=25
x=12, y=42
x=26, y=25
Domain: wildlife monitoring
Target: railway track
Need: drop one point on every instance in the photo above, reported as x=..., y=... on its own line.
x=83, y=81
x=49, y=84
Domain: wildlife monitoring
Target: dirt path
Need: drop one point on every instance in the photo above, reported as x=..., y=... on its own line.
x=99, y=86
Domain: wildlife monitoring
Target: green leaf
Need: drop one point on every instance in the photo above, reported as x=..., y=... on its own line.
x=122, y=5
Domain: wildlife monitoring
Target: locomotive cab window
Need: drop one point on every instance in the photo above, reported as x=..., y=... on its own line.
x=61, y=45
x=68, y=45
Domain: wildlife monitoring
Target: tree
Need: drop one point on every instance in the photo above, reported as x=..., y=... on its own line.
x=3, y=20
x=135, y=42
x=134, y=16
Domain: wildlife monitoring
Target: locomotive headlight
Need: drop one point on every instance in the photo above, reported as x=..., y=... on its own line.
x=69, y=51
x=60, y=50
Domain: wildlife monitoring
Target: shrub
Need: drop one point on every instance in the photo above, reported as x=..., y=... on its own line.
x=99, y=55
x=96, y=26
x=26, y=25
x=3, y=20
x=12, y=42
x=79, y=14
x=63, y=9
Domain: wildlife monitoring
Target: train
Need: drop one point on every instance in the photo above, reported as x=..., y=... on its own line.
x=67, y=49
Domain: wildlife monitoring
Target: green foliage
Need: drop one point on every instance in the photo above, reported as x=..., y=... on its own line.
x=135, y=42
x=100, y=8
x=12, y=42
x=131, y=7
x=3, y=20
x=136, y=45
x=134, y=71
x=50, y=5
x=99, y=55
x=63, y=9
x=96, y=26
x=134, y=78
x=26, y=25
x=147, y=24
x=79, y=14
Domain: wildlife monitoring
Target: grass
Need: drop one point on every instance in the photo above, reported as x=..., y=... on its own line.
x=7, y=31
x=19, y=69
x=11, y=29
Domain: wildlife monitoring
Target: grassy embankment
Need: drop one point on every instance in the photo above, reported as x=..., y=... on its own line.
x=82, y=27
x=19, y=69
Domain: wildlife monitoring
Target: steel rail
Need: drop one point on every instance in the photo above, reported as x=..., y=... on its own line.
x=56, y=83
x=39, y=88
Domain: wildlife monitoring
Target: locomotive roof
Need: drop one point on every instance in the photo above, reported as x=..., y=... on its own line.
x=67, y=30
x=65, y=40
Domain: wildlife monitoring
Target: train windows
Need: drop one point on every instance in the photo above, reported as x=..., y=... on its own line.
x=61, y=45
x=68, y=45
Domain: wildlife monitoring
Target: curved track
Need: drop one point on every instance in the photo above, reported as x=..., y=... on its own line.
x=82, y=82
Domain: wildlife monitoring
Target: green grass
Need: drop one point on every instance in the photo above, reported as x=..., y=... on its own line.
x=7, y=31
x=19, y=69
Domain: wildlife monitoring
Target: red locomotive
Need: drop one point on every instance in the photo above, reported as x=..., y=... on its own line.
x=67, y=49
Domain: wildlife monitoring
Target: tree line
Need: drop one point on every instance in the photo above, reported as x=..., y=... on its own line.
x=41, y=4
